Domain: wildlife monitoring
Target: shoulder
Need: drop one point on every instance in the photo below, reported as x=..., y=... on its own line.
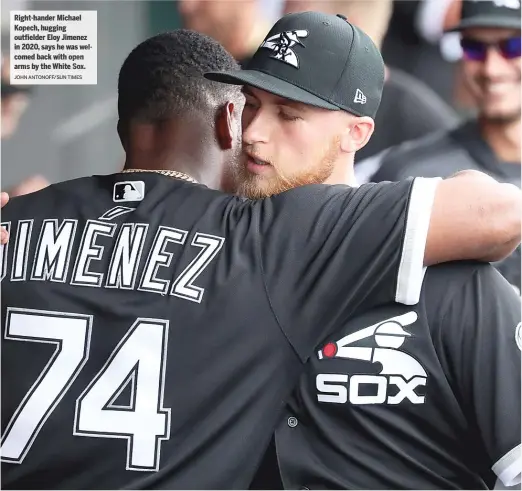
x=436, y=154
x=304, y=197
x=455, y=273
x=460, y=272
x=425, y=147
x=37, y=203
x=323, y=197
x=463, y=285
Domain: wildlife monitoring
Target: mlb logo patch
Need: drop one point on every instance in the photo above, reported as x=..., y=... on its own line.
x=128, y=191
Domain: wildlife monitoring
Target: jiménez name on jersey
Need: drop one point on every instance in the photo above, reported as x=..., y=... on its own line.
x=46, y=254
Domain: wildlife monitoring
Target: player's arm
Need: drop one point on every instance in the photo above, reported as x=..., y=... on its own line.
x=481, y=338
x=473, y=217
x=328, y=252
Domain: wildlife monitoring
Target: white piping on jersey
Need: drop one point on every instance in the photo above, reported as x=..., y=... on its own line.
x=411, y=267
x=508, y=468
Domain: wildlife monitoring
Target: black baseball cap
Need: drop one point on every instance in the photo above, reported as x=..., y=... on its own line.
x=489, y=13
x=317, y=59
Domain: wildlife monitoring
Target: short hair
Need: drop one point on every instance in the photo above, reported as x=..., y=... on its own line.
x=163, y=77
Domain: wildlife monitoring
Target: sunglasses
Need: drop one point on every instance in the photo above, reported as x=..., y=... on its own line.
x=478, y=50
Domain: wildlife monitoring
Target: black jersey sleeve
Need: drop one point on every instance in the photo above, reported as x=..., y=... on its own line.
x=482, y=342
x=329, y=251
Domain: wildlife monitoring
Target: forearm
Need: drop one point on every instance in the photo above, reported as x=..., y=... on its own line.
x=502, y=220
x=474, y=217
x=499, y=252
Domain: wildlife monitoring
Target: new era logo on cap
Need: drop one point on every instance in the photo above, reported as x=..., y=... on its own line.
x=128, y=191
x=359, y=98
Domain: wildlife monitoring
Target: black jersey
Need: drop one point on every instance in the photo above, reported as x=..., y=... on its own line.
x=424, y=397
x=152, y=327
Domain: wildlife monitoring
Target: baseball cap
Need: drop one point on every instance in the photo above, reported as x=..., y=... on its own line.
x=489, y=13
x=317, y=59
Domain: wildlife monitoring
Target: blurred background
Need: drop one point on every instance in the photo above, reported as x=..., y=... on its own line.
x=53, y=133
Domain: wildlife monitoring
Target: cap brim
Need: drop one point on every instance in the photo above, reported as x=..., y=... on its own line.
x=271, y=84
x=487, y=21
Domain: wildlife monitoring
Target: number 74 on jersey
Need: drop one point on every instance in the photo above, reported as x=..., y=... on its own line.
x=138, y=360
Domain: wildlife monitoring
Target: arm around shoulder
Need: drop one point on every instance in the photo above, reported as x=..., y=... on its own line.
x=473, y=217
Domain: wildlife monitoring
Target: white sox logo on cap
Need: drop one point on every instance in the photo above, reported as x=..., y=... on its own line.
x=321, y=61
x=281, y=44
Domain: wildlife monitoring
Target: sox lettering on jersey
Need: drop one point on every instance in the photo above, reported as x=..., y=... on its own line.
x=400, y=376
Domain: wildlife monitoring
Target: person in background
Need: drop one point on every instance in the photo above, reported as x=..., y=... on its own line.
x=29, y=185
x=490, y=39
x=4, y=234
x=239, y=26
x=408, y=46
x=15, y=100
x=409, y=108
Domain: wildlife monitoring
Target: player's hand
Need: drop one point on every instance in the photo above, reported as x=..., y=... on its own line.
x=4, y=234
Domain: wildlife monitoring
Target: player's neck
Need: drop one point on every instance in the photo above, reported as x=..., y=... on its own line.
x=186, y=167
x=343, y=173
x=503, y=138
x=171, y=148
x=151, y=165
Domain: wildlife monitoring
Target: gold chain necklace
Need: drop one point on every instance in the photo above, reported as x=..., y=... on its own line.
x=169, y=173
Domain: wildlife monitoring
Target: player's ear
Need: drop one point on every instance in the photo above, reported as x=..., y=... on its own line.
x=226, y=126
x=357, y=134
